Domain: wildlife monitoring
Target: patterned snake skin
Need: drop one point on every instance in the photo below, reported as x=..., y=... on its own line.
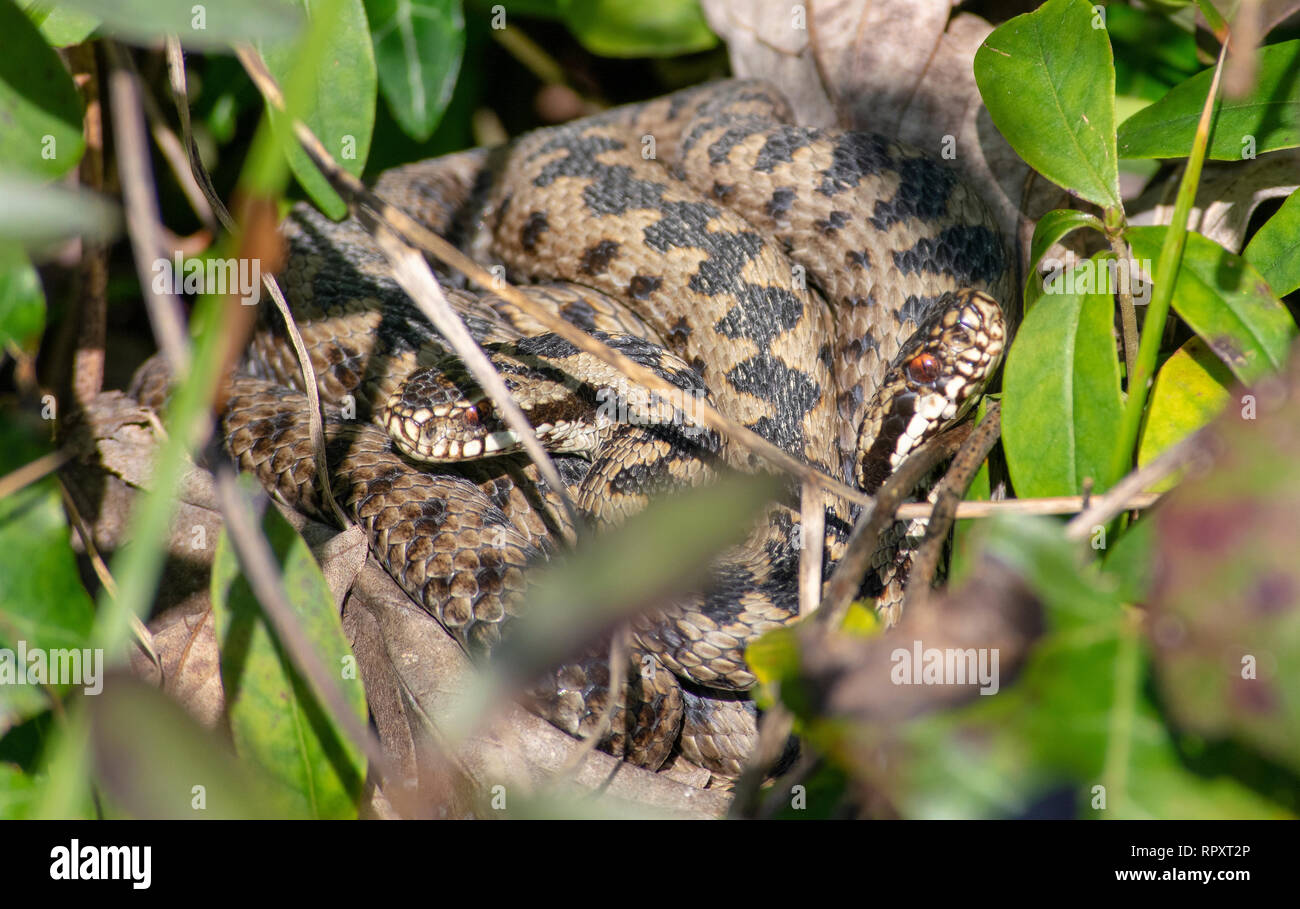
x=832, y=291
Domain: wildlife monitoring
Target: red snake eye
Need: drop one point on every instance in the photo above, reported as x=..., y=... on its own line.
x=471, y=414
x=923, y=368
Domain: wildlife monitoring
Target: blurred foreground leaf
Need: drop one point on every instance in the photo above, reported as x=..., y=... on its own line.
x=22, y=300
x=61, y=27
x=661, y=552
x=43, y=603
x=36, y=216
x=40, y=111
x=155, y=761
x=1225, y=608
x=1078, y=719
x=203, y=25
x=274, y=717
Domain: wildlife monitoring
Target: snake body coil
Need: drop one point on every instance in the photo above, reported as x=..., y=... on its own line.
x=830, y=290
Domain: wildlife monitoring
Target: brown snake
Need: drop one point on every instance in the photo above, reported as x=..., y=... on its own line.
x=832, y=291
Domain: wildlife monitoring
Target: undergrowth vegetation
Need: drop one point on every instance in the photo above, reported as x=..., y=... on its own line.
x=1156, y=330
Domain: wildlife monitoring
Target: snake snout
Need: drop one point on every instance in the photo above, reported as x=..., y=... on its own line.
x=440, y=415
x=431, y=417
x=938, y=374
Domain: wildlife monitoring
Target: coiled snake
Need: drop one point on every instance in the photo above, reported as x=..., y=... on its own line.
x=834, y=291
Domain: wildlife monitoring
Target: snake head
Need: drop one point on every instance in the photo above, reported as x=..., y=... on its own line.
x=433, y=417
x=938, y=374
x=440, y=414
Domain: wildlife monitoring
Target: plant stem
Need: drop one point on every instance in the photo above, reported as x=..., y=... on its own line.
x=1171, y=255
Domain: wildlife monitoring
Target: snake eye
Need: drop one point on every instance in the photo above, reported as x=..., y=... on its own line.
x=923, y=369
x=470, y=414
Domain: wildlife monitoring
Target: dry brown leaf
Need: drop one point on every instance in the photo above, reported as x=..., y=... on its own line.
x=186, y=644
x=765, y=42
x=1228, y=194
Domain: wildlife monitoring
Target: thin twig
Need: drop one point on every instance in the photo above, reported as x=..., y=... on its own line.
x=203, y=181
x=142, y=218
x=812, y=546
x=88, y=541
x=32, y=471
x=180, y=97
x=1121, y=496
x=174, y=152
x=352, y=189
x=91, y=349
x=1045, y=506
x=1127, y=310
x=925, y=560
x=143, y=636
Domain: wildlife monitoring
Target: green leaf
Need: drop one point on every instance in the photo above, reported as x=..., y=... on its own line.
x=22, y=300
x=1050, y=228
x=61, y=27
x=1225, y=301
x=1074, y=595
x=43, y=604
x=616, y=28
x=197, y=25
x=1265, y=119
x=17, y=793
x=1061, y=399
x=1191, y=388
x=37, y=216
x=418, y=48
x=1131, y=561
x=329, y=82
x=155, y=761
x=1275, y=249
x=275, y=719
x=40, y=111
x=1152, y=53
x=1048, y=81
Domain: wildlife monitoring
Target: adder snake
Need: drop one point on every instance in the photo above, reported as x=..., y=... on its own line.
x=834, y=291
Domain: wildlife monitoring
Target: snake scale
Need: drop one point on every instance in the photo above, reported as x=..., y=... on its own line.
x=834, y=291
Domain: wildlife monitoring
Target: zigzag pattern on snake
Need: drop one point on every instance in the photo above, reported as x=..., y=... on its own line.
x=833, y=291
